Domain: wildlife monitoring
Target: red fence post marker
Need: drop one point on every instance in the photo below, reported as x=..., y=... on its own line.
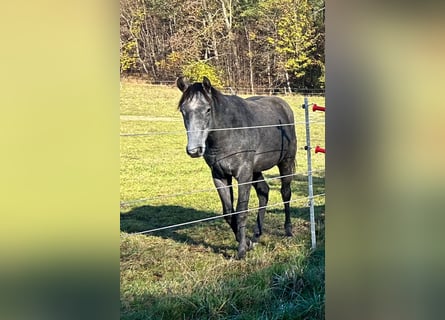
x=315, y=108
x=319, y=149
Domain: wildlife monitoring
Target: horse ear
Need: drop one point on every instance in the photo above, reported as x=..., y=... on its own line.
x=206, y=84
x=182, y=84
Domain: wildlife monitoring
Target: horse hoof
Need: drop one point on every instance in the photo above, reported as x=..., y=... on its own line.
x=242, y=249
x=288, y=231
x=241, y=255
x=256, y=237
x=250, y=244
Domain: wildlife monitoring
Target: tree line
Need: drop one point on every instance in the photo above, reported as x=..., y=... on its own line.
x=235, y=43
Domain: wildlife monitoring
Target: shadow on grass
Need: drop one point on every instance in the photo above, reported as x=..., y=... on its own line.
x=147, y=217
x=214, y=234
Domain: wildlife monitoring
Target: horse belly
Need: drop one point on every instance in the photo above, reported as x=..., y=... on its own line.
x=274, y=146
x=265, y=160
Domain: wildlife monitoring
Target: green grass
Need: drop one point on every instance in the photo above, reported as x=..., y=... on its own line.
x=190, y=272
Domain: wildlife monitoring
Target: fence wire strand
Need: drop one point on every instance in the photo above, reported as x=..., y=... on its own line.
x=220, y=216
x=152, y=133
x=130, y=202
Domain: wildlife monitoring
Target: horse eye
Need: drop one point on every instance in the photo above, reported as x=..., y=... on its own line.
x=208, y=110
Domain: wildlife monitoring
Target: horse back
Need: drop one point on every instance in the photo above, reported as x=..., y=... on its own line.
x=266, y=108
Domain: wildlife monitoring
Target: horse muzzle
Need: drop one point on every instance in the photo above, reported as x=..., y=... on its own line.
x=195, y=152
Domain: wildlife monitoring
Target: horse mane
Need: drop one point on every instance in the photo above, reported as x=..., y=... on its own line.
x=197, y=87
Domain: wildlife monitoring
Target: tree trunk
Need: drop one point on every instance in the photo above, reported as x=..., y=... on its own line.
x=250, y=54
x=228, y=19
x=287, y=82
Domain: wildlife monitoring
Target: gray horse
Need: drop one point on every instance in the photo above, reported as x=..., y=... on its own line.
x=240, y=138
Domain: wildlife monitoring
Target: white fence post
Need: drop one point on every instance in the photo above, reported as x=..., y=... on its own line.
x=309, y=173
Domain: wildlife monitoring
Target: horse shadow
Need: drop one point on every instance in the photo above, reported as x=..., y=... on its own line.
x=146, y=218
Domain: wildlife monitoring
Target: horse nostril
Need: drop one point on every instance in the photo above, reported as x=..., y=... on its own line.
x=196, y=152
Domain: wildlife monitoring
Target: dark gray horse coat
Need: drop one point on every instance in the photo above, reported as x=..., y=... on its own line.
x=242, y=152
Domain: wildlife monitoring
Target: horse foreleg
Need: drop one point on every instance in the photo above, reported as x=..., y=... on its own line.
x=262, y=191
x=225, y=192
x=241, y=209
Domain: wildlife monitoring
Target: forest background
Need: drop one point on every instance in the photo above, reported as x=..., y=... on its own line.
x=240, y=44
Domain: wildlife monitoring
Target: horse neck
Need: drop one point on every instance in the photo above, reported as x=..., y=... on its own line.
x=221, y=117
x=217, y=114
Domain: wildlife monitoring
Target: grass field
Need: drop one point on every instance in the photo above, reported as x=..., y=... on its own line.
x=190, y=272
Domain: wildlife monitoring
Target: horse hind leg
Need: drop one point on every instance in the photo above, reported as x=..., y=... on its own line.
x=286, y=168
x=262, y=191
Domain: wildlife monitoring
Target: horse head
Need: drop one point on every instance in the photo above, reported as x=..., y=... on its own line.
x=196, y=105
